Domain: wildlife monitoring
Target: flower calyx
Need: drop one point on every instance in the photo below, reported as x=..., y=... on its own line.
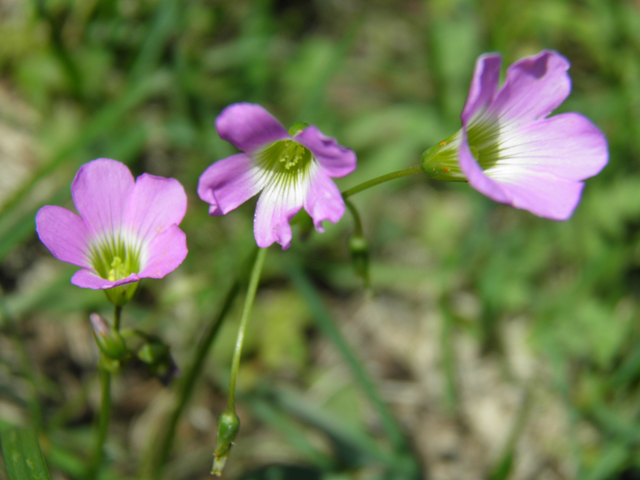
x=440, y=162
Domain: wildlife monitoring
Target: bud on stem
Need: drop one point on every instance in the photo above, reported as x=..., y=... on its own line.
x=108, y=339
x=228, y=425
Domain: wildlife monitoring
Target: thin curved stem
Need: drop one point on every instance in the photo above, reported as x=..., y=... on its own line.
x=188, y=381
x=384, y=178
x=357, y=222
x=103, y=424
x=159, y=455
x=248, y=304
x=116, y=317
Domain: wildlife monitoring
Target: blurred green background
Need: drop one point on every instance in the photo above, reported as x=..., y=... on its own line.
x=506, y=346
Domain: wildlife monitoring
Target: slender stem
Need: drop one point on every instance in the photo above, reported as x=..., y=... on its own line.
x=357, y=222
x=248, y=303
x=103, y=424
x=105, y=409
x=378, y=180
x=116, y=317
x=188, y=381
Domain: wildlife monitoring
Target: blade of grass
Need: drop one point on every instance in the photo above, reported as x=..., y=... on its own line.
x=448, y=358
x=28, y=371
x=104, y=121
x=268, y=414
x=298, y=406
x=163, y=27
x=22, y=455
x=502, y=468
x=308, y=291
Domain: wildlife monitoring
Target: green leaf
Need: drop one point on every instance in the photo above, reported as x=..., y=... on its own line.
x=22, y=455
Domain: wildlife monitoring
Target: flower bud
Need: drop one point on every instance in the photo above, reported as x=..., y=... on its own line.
x=228, y=425
x=108, y=339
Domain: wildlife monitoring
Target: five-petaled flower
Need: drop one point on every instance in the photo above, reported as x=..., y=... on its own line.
x=508, y=149
x=292, y=169
x=126, y=230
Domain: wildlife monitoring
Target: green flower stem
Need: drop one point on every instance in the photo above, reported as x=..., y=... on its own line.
x=103, y=424
x=116, y=317
x=384, y=178
x=158, y=457
x=357, y=222
x=248, y=304
x=105, y=409
x=228, y=421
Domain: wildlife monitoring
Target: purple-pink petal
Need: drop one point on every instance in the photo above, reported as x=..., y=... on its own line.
x=568, y=146
x=64, y=234
x=249, y=127
x=276, y=207
x=476, y=176
x=324, y=200
x=336, y=160
x=155, y=204
x=228, y=183
x=101, y=193
x=539, y=162
x=484, y=85
x=533, y=88
x=88, y=279
x=543, y=194
x=164, y=253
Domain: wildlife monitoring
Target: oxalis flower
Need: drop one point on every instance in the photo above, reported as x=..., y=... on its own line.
x=126, y=230
x=292, y=169
x=508, y=149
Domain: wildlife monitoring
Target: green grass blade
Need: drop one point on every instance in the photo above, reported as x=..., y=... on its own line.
x=309, y=293
x=22, y=455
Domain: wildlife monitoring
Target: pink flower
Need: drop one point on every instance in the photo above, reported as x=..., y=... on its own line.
x=509, y=150
x=291, y=169
x=126, y=230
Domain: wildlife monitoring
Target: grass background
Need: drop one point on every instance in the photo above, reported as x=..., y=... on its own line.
x=507, y=346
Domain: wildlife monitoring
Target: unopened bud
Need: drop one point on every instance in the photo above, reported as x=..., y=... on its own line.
x=228, y=425
x=108, y=339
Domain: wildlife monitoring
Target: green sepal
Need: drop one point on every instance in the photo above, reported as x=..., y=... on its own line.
x=110, y=364
x=441, y=162
x=121, y=295
x=297, y=127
